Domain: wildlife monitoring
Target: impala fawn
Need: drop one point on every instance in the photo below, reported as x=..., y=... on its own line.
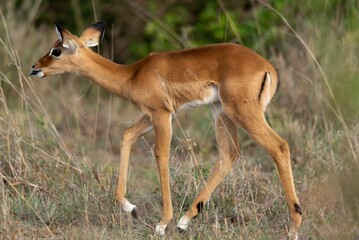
x=234, y=80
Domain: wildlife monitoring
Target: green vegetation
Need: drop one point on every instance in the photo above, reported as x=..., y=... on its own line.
x=59, y=136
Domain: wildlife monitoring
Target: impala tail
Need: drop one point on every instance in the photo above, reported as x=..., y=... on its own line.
x=268, y=89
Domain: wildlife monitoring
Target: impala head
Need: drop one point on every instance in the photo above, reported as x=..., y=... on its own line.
x=68, y=51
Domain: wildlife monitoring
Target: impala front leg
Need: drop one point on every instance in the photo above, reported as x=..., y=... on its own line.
x=128, y=138
x=161, y=122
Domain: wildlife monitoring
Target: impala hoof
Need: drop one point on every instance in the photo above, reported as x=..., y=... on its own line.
x=128, y=207
x=180, y=230
x=134, y=213
x=293, y=236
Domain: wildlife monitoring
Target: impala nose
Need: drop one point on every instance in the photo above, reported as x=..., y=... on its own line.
x=34, y=72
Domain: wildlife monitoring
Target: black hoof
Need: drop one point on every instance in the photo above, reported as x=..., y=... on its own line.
x=180, y=230
x=134, y=213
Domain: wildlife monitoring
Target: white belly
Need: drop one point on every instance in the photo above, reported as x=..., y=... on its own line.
x=211, y=96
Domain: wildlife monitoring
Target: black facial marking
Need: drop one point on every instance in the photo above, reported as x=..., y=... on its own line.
x=34, y=72
x=297, y=208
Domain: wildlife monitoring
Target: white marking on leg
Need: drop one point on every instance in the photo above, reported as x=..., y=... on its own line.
x=127, y=206
x=183, y=222
x=293, y=236
x=160, y=229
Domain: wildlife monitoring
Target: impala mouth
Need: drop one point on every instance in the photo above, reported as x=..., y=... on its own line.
x=37, y=73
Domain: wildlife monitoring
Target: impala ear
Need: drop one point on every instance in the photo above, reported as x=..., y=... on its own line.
x=65, y=37
x=92, y=36
x=59, y=30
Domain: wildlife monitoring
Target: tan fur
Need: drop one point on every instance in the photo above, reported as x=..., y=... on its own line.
x=163, y=82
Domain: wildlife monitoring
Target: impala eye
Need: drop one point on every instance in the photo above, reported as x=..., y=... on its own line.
x=55, y=52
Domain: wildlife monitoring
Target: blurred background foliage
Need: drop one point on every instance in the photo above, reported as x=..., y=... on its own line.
x=137, y=28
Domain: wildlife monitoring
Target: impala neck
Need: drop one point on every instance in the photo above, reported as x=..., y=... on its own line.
x=107, y=74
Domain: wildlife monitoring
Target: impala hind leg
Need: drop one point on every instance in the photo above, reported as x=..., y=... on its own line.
x=228, y=150
x=253, y=121
x=129, y=137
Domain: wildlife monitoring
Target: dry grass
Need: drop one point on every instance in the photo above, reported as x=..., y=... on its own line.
x=59, y=145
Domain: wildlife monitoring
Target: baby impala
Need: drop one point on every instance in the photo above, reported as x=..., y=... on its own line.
x=237, y=83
